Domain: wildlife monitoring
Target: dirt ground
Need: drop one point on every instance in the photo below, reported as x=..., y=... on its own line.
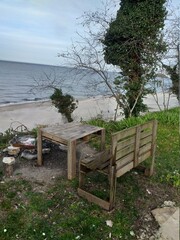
x=54, y=164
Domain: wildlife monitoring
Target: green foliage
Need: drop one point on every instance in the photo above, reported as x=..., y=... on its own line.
x=5, y=137
x=172, y=178
x=133, y=42
x=64, y=103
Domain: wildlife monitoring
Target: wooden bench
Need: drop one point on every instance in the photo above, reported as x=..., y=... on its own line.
x=129, y=148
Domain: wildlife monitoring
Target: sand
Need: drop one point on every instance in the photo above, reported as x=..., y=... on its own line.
x=43, y=113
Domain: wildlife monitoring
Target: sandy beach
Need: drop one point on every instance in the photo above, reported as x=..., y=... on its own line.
x=33, y=114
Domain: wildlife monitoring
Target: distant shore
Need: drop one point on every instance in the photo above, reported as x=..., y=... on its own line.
x=32, y=114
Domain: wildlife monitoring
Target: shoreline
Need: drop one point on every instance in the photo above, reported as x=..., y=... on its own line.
x=33, y=114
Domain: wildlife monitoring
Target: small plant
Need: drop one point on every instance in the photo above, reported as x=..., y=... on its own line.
x=65, y=104
x=5, y=137
x=172, y=178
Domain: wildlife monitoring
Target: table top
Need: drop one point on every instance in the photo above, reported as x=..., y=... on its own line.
x=70, y=131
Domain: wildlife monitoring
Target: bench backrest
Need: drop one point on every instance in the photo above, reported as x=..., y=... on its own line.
x=132, y=146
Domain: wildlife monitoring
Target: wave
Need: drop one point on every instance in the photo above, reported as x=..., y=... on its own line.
x=25, y=100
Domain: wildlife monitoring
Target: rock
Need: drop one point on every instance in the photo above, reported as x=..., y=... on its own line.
x=170, y=229
x=168, y=219
x=162, y=214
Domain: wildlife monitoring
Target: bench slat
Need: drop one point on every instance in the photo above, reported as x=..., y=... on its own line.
x=123, y=170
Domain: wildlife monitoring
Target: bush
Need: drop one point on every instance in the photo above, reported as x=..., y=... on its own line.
x=65, y=104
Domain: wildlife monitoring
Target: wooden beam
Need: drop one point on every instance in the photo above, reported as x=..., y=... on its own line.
x=92, y=198
x=39, y=147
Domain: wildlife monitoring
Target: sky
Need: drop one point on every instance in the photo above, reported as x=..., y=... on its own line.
x=35, y=31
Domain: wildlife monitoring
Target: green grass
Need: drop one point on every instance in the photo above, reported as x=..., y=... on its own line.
x=59, y=213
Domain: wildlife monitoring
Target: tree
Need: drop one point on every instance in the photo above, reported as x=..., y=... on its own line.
x=171, y=62
x=86, y=55
x=64, y=103
x=134, y=43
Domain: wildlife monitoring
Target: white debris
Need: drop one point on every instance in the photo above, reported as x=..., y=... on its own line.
x=8, y=160
x=28, y=155
x=13, y=150
x=148, y=191
x=132, y=233
x=168, y=204
x=109, y=223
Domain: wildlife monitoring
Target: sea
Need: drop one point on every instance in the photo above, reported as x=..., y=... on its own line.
x=28, y=82
x=25, y=82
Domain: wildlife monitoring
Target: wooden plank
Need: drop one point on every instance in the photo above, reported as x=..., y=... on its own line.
x=144, y=156
x=84, y=133
x=148, y=125
x=125, y=160
x=145, y=148
x=92, y=198
x=61, y=126
x=125, y=151
x=39, y=148
x=145, y=134
x=125, y=142
x=95, y=161
x=145, y=140
x=54, y=138
x=121, y=171
x=124, y=133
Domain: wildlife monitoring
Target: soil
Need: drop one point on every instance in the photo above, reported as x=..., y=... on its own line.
x=54, y=164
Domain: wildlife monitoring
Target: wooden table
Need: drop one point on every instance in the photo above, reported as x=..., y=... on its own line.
x=68, y=134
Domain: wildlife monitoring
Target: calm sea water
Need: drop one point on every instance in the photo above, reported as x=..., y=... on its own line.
x=19, y=81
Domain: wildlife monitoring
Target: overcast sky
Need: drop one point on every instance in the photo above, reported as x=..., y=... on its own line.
x=36, y=30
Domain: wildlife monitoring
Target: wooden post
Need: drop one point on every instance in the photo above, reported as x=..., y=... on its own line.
x=39, y=147
x=112, y=187
x=102, y=139
x=8, y=163
x=137, y=142
x=153, y=147
x=71, y=159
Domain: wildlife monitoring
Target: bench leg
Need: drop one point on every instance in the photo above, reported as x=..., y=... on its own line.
x=112, y=188
x=152, y=167
x=102, y=139
x=81, y=175
x=71, y=159
x=39, y=148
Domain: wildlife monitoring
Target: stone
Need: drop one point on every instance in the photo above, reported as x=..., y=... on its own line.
x=168, y=219
x=162, y=214
x=170, y=229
